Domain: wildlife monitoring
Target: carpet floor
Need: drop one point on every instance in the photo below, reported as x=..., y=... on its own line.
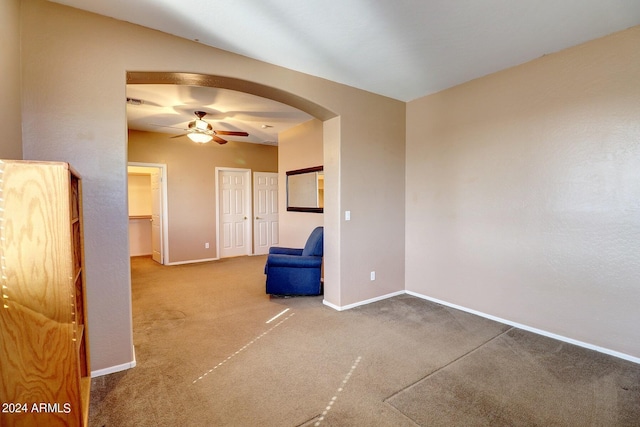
x=213, y=350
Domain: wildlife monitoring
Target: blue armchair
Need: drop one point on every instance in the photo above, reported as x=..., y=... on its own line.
x=296, y=271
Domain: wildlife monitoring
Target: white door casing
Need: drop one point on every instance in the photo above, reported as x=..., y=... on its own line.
x=159, y=207
x=265, y=203
x=234, y=212
x=156, y=215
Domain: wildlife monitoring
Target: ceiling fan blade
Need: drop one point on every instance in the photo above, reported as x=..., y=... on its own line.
x=232, y=133
x=178, y=136
x=219, y=140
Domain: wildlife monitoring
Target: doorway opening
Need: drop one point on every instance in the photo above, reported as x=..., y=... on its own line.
x=148, y=219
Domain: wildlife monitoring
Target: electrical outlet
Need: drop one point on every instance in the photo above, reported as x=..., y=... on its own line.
x=373, y=275
x=347, y=215
x=206, y=245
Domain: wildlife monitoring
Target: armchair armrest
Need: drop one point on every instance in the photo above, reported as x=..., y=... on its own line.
x=284, y=251
x=293, y=261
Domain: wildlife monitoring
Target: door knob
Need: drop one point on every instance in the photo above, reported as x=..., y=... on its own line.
x=258, y=217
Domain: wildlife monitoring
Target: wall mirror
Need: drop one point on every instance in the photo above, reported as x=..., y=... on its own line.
x=305, y=190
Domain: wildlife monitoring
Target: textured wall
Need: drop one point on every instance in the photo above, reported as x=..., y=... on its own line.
x=10, y=105
x=299, y=147
x=523, y=194
x=139, y=194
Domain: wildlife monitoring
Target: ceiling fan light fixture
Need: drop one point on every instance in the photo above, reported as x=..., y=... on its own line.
x=200, y=138
x=200, y=125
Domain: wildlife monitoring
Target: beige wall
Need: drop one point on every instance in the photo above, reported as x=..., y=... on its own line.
x=10, y=105
x=191, y=201
x=372, y=188
x=332, y=215
x=523, y=193
x=74, y=74
x=299, y=147
x=139, y=194
x=140, y=204
x=140, y=237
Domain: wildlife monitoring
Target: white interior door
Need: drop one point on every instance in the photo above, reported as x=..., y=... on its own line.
x=156, y=215
x=265, y=203
x=234, y=212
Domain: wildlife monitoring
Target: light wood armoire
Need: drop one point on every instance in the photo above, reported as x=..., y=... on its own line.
x=44, y=348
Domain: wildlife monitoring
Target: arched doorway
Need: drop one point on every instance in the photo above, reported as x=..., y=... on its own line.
x=193, y=79
x=330, y=139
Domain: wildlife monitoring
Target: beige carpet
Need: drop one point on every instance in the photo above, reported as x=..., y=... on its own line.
x=213, y=350
x=521, y=379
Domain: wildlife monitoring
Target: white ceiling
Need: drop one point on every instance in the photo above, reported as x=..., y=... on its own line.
x=403, y=49
x=169, y=109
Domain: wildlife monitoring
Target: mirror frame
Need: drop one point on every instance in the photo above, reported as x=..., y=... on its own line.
x=302, y=208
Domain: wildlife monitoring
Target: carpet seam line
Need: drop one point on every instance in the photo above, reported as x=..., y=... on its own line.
x=400, y=413
x=473, y=350
x=309, y=421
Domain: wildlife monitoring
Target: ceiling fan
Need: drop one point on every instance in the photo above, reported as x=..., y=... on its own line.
x=202, y=132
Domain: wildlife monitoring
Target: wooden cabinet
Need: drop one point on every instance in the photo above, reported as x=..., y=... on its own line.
x=44, y=349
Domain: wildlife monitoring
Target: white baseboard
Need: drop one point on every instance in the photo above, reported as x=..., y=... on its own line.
x=193, y=261
x=365, y=302
x=117, y=368
x=328, y=304
x=531, y=329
